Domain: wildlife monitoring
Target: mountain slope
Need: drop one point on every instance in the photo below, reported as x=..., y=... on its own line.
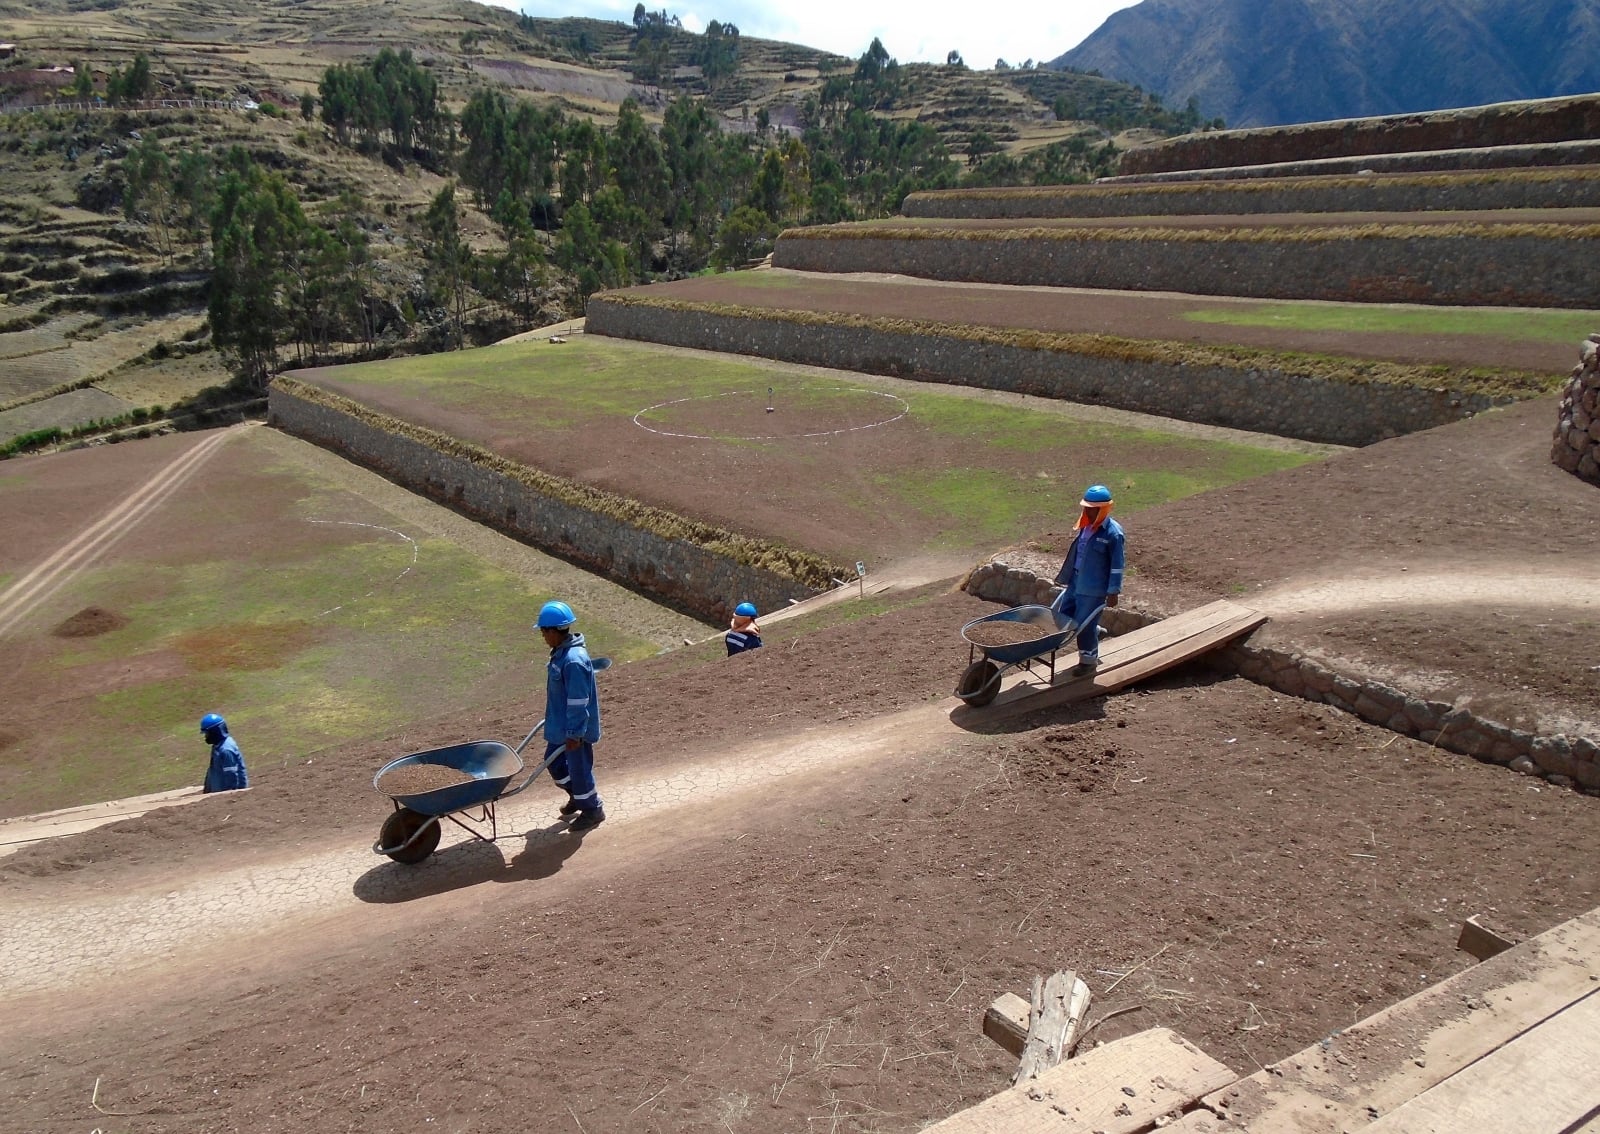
x=1266, y=62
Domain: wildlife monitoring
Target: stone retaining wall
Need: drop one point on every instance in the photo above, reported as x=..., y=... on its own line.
x=1566, y=761
x=1518, y=189
x=676, y=572
x=1577, y=441
x=1276, y=401
x=1544, y=266
x=1507, y=123
x=1586, y=152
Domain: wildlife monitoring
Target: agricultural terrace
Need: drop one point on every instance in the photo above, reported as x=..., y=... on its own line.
x=844, y=465
x=246, y=572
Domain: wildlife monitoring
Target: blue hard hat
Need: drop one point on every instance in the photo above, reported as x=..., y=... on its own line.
x=211, y=721
x=745, y=610
x=1096, y=494
x=556, y=616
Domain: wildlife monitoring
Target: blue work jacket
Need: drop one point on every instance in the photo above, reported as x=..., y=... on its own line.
x=571, y=703
x=226, y=772
x=1100, y=573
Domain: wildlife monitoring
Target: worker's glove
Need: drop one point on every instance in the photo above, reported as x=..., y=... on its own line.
x=574, y=743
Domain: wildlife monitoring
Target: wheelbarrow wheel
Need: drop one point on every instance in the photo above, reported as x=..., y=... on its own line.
x=980, y=684
x=400, y=826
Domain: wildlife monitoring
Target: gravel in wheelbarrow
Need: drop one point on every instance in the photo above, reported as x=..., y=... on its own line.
x=1006, y=633
x=414, y=779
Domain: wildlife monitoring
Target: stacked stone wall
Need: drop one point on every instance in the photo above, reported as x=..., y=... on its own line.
x=1577, y=441
x=1542, y=189
x=1566, y=761
x=1476, y=268
x=1428, y=161
x=1499, y=124
x=1276, y=401
x=675, y=572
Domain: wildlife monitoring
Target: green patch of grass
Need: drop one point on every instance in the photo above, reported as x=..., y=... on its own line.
x=1528, y=325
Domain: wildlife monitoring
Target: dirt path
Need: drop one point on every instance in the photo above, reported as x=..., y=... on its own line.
x=171, y=913
x=28, y=593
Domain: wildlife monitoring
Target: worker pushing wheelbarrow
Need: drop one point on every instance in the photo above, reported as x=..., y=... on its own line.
x=1090, y=580
x=447, y=783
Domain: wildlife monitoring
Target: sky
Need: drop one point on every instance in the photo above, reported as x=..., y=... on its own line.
x=913, y=31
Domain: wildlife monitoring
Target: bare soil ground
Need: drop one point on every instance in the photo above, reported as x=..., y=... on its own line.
x=815, y=949
x=812, y=881
x=1132, y=315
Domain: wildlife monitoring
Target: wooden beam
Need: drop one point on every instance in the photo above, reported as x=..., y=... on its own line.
x=1481, y=941
x=1123, y=660
x=1542, y=1082
x=1053, y=1027
x=1391, y=1057
x=1121, y=1088
x=1006, y=1022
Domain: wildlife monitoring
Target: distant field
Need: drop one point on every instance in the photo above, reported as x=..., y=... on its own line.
x=309, y=602
x=846, y=465
x=1527, y=324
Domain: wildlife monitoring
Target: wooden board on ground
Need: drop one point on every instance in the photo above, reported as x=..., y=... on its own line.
x=1123, y=660
x=1377, y=1066
x=1121, y=1088
x=25, y=830
x=1542, y=1082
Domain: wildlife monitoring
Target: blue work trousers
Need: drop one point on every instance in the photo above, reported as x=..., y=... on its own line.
x=1080, y=608
x=574, y=770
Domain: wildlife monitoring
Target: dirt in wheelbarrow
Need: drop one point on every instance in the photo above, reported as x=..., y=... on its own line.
x=1005, y=633
x=414, y=779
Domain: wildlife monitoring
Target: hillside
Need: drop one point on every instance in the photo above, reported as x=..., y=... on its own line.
x=1268, y=62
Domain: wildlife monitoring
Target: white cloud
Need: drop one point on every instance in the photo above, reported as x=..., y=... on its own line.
x=912, y=32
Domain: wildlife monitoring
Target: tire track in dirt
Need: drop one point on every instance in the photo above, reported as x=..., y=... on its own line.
x=31, y=591
x=1512, y=587
x=73, y=940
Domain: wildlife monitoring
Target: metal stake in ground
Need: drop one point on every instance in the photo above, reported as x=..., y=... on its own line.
x=769, y=399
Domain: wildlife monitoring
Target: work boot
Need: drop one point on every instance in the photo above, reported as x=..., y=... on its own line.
x=589, y=820
x=571, y=807
x=1084, y=668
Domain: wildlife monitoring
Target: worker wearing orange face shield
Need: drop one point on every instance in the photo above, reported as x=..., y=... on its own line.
x=1091, y=574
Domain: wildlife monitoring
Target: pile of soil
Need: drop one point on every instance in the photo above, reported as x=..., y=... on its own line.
x=414, y=779
x=90, y=622
x=1005, y=633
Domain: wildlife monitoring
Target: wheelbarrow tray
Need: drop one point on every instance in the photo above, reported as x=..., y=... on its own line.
x=1060, y=626
x=490, y=764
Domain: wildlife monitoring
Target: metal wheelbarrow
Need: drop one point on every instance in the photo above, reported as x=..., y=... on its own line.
x=412, y=832
x=987, y=665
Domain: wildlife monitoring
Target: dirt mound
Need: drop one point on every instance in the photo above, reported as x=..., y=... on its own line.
x=1065, y=759
x=91, y=622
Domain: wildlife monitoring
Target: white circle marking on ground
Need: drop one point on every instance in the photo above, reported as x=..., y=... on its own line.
x=904, y=409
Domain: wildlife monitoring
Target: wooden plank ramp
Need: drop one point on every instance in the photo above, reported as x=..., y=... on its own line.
x=1124, y=660
x=1121, y=1088
x=1509, y=1046
x=25, y=830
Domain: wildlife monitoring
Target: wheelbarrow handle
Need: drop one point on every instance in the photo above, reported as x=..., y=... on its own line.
x=529, y=738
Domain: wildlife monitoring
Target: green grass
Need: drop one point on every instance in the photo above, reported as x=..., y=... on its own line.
x=1527, y=325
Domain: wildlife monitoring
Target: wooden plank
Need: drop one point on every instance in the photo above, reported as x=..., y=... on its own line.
x=1143, y=653
x=1481, y=941
x=1542, y=1082
x=1053, y=1025
x=25, y=830
x=1406, y=1049
x=1121, y=1088
x=1006, y=1022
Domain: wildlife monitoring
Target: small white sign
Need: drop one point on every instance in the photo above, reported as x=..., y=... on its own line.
x=861, y=568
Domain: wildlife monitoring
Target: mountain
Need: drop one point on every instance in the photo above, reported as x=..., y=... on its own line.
x=1269, y=62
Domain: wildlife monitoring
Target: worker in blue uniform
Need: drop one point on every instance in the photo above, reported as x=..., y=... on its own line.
x=226, y=771
x=571, y=716
x=743, y=633
x=1091, y=575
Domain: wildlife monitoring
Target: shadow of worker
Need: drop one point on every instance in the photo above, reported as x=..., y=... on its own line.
x=468, y=864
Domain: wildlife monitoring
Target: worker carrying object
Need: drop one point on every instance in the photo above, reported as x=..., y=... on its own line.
x=226, y=771
x=571, y=715
x=1091, y=574
x=743, y=633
